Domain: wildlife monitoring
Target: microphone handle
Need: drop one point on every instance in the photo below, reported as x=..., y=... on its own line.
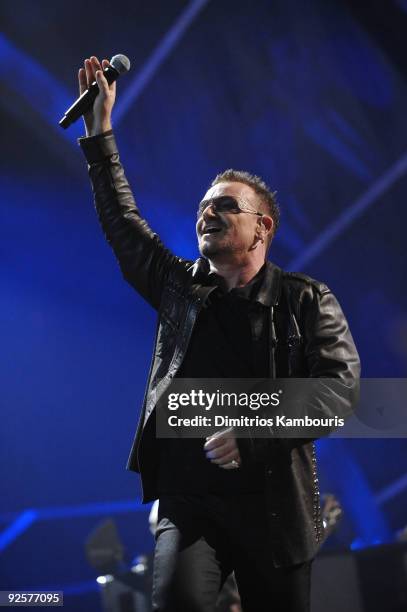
x=86, y=100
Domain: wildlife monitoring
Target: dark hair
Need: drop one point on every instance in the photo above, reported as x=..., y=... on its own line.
x=268, y=197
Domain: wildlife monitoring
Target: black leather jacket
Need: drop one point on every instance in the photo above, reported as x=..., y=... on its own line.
x=311, y=338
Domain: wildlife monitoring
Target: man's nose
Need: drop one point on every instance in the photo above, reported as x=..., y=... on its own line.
x=209, y=211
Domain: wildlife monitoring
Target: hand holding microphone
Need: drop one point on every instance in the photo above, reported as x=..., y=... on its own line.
x=97, y=118
x=97, y=89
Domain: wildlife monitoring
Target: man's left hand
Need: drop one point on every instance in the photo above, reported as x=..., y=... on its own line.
x=221, y=448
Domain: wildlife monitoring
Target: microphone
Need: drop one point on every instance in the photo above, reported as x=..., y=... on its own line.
x=119, y=64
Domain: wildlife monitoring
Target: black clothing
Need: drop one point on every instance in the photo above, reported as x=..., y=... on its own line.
x=308, y=336
x=213, y=535
x=221, y=346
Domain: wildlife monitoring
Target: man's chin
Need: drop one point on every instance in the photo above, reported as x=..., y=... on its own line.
x=216, y=252
x=207, y=250
x=211, y=250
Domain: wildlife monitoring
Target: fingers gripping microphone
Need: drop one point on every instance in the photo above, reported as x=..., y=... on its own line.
x=119, y=64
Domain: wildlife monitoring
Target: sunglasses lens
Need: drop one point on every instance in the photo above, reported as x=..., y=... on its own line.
x=204, y=204
x=226, y=204
x=220, y=204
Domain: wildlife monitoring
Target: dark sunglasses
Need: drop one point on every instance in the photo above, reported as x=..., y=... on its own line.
x=226, y=204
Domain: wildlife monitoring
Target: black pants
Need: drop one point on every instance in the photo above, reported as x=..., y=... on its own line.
x=200, y=540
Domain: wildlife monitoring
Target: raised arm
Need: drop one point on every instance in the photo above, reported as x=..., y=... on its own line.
x=144, y=261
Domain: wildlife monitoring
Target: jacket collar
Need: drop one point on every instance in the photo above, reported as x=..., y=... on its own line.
x=269, y=291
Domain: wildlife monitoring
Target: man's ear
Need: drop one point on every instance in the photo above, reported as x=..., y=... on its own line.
x=265, y=227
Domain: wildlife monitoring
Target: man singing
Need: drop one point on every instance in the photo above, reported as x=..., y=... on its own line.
x=248, y=506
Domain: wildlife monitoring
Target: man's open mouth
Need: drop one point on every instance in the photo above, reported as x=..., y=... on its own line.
x=211, y=230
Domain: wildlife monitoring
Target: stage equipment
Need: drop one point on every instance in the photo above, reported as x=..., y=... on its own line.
x=103, y=548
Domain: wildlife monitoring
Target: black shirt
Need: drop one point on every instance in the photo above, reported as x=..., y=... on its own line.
x=222, y=346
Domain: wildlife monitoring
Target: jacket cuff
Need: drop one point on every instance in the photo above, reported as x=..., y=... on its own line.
x=98, y=148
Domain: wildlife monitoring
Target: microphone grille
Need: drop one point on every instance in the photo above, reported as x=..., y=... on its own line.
x=121, y=63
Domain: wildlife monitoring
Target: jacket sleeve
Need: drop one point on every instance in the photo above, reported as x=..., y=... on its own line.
x=144, y=261
x=332, y=363
x=331, y=387
x=330, y=351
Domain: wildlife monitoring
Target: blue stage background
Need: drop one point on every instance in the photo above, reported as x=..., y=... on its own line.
x=312, y=97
